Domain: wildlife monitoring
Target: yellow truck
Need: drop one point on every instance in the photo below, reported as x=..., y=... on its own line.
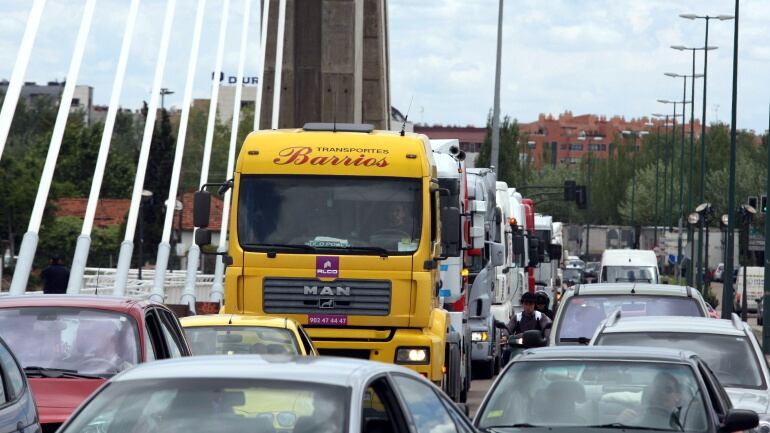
x=339, y=227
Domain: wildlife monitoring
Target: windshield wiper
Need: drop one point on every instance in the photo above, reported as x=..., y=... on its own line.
x=621, y=425
x=579, y=340
x=518, y=425
x=299, y=247
x=56, y=373
x=381, y=251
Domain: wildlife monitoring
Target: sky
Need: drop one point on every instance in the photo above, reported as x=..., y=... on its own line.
x=603, y=57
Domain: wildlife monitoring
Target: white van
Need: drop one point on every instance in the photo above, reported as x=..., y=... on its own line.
x=629, y=266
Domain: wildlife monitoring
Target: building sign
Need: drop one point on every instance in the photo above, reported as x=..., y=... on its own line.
x=232, y=79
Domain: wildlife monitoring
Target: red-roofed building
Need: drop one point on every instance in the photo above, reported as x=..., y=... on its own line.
x=566, y=139
x=109, y=211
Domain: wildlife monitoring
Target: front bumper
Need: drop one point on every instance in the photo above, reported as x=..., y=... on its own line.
x=382, y=346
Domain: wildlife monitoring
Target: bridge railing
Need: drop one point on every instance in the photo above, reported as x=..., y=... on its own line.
x=101, y=281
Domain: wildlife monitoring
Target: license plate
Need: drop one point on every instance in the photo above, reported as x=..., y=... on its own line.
x=327, y=319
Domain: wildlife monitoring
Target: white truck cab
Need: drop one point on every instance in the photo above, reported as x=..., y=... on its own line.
x=629, y=266
x=502, y=306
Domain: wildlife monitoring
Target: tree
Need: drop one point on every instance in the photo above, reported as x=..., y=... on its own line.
x=513, y=159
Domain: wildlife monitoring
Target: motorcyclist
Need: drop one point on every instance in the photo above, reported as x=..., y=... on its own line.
x=541, y=304
x=526, y=320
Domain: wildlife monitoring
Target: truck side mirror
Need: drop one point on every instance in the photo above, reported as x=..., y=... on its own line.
x=202, y=237
x=497, y=250
x=450, y=232
x=518, y=244
x=201, y=209
x=541, y=251
x=555, y=252
x=534, y=256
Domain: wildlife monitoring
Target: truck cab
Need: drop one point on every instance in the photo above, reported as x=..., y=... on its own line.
x=502, y=301
x=338, y=226
x=485, y=254
x=452, y=180
x=518, y=275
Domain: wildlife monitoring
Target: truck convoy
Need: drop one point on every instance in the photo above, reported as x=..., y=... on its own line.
x=381, y=244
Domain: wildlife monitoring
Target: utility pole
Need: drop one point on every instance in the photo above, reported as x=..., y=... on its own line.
x=494, y=155
x=728, y=287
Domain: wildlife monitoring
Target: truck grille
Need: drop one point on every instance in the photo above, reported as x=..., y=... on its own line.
x=308, y=296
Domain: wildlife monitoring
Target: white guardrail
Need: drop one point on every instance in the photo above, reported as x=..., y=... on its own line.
x=101, y=281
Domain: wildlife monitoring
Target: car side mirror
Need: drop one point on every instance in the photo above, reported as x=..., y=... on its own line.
x=533, y=338
x=739, y=420
x=201, y=208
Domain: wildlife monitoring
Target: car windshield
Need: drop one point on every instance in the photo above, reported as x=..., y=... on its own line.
x=88, y=341
x=343, y=214
x=235, y=340
x=193, y=405
x=731, y=357
x=583, y=313
x=630, y=274
x=582, y=393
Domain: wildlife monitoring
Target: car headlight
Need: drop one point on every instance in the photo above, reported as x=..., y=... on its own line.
x=412, y=355
x=479, y=336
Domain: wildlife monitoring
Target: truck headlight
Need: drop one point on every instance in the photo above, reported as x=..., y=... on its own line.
x=479, y=336
x=413, y=355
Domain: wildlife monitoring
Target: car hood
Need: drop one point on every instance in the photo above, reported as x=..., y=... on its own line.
x=751, y=399
x=56, y=399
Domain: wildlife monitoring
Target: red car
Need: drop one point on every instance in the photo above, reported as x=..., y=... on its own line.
x=69, y=345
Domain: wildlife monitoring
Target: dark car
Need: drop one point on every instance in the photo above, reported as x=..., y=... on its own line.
x=17, y=407
x=571, y=389
x=69, y=345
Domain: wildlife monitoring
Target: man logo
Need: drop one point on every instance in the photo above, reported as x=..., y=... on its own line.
x=326, y=303
x=327, y=264
x=327, y=291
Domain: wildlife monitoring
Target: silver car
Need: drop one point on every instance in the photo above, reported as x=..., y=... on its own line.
x=266, y=395
x=584, y=306
x=729, y=347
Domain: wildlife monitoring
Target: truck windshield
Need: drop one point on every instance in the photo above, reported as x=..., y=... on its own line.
x=545, y=239
x=346, y=214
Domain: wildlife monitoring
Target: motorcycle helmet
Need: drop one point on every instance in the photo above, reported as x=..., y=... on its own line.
x=541, y=298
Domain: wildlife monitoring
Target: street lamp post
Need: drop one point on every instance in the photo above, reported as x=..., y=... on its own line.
x=635, y=135
x=163, y=92
x=693, y=219
x=703, y=132
x=747, y=214
x=690, y=234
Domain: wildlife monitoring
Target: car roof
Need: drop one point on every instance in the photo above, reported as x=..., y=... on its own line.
x=633, y=288
x=693, y=325
x=625, y=257
x=606, y=353
x=237, y=320
x=315, y=369
x=114, y=303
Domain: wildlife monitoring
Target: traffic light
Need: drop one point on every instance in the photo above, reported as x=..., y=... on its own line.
x=753, y=202
x=763, y=204
x=581, y=197
x=569, y=190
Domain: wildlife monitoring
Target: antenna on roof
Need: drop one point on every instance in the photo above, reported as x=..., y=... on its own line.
x=403, y=125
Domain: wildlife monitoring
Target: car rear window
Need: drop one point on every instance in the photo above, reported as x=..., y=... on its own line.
x=731, y=357
x=581, y=315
